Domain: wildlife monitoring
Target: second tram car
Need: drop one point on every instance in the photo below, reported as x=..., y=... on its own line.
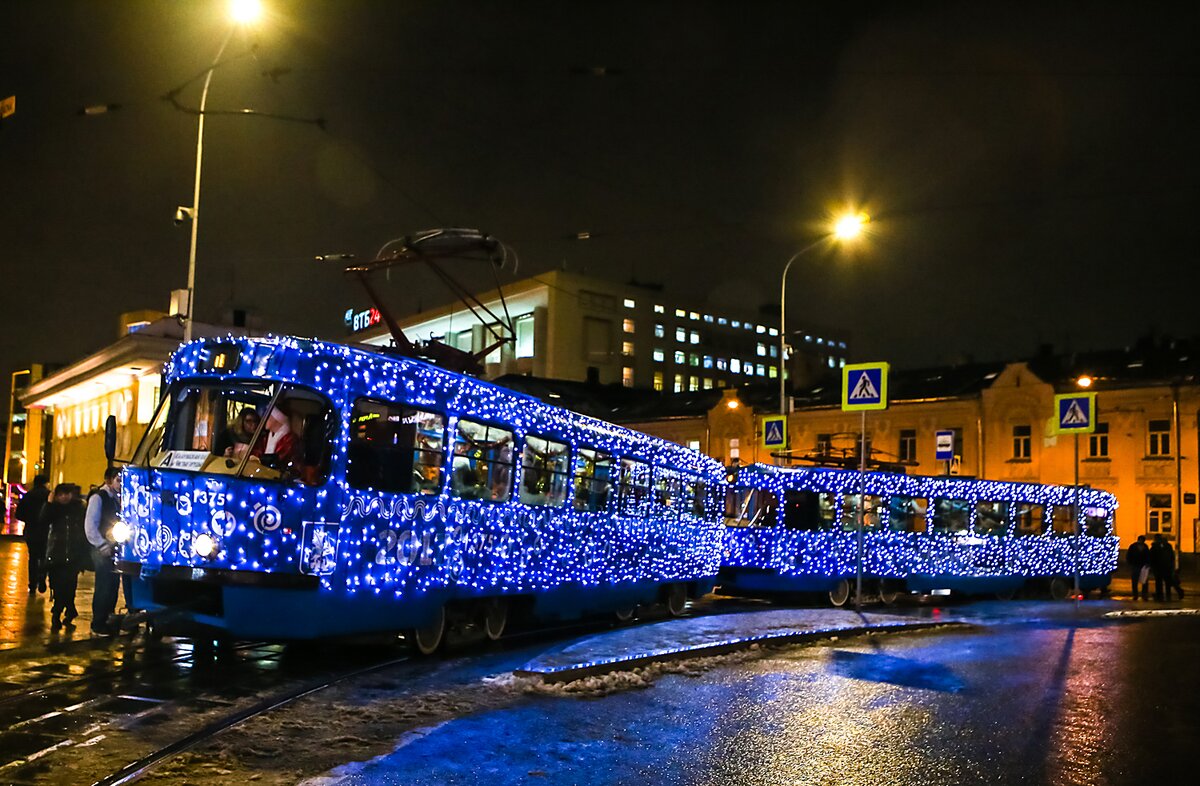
x=796, y=530
x=293, y=489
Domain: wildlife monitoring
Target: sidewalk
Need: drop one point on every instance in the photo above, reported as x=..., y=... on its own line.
x=25, y=618
x=705, y=636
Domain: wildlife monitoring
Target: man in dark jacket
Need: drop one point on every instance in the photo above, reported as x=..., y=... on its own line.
x=1162, y=563
x=29, y=510
x=67, y=551
x=1138, y=557
x=98, y=523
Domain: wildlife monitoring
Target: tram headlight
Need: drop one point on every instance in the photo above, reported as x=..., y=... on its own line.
x=204, y=546
x=121, y=532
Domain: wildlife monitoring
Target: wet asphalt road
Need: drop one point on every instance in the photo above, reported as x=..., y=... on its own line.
x=1063, y=699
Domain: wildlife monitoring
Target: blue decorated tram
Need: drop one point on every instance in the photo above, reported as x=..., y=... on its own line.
x=293, y=489
x=796, y=529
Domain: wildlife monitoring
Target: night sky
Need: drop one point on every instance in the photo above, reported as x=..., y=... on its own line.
x=1030, y=169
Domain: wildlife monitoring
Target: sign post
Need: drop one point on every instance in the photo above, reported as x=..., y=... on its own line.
x=945, y=448
x=864, y=387
x=1076, y=414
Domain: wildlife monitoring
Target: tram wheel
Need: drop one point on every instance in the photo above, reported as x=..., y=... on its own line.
x=495, y=617
x=840, y=593
x=429, y=638
x=1059, y=588
x=1006, y=594
x=625, y=613
x=889, y=592
x=677, y=600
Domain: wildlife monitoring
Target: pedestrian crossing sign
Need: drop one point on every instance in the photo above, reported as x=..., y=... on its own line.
x=1076, y=413
x=774, y=431
x=864, y=386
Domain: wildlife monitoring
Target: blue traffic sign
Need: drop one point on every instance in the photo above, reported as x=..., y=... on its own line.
x=945, y=445
x=1076, y=413
x=774, y=433
x=864, y=386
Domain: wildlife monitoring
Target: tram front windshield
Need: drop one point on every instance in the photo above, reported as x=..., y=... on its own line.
x=260, y=430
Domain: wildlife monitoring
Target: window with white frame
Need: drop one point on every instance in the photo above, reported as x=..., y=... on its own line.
x=1158, y=433
x=908, y=444
x=1098, y=442
x=1159, y=518
x=1022, y=441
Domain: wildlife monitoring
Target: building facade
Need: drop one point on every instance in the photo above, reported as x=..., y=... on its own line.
x=575, y=327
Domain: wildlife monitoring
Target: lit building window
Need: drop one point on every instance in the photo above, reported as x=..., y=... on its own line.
x=679, y=312
x=735, y=366
x=773, y=372
x=736, y=323
x=693, y=315
x=627, y=347
x=694, y=444
x=660, y=330
x=695, y=337
x=658, y=380
x=629, y=303
x=708, y=317
x=524, y=344
x=1159, y=432
x=832, y=363
x=1098, y=442
x=762, y=349
x=1159, y=518
x=808, y=338
x=659, y=309
x=1022, y=442
x=722, y=364
x=707, y=383
x=762, y=370
x=659, y=356
x=693, y=383
x=820, y=341
x=708, y=361
x=679, y=383
x=761, y=329
x=842, y=344
x=694, y=359
x=680, y=357
x=628, y=325
x=773, y=331
x=774, y=351
x=681, y=335
x=627, y=377
x=841, y=362
x=722, y=321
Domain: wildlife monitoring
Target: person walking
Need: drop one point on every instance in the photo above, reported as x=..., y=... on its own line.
x=29, y=510
x=1138, y=559
x=67, y=552
x=98, y=523
x=1170, y=573
x=1162, y=564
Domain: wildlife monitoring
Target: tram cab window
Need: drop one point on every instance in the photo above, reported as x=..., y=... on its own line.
x=991, y=518
x=696, y=491
x=593, y=481
x=635, y=487
x=1095, y=522
x=749, y=507
x=1031, y=519
x=951, y=517
x=807, y=510
x=257, y=430
x=907, y=514
x=395, y=448
x=544, y=471
x=870, y=513
x=483, y=462
x=1062, y=519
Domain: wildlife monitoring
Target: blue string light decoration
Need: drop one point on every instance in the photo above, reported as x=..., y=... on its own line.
x=971, y=550
x=362, y=540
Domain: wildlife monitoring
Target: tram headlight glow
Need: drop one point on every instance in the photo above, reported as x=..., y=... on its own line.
x=121, y=532
x=204, y=546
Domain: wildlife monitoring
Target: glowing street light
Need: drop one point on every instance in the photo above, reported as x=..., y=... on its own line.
x=845, y=228
x=241, y=12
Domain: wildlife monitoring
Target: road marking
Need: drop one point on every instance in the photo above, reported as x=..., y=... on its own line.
x=1155, y=613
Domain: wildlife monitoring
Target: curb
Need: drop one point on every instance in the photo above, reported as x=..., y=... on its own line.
x=570, y=673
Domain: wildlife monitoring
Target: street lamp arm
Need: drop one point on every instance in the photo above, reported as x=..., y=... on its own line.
x=783, y=320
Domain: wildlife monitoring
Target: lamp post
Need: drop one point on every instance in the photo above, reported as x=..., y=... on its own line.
x=846, y=228
x=241, y=12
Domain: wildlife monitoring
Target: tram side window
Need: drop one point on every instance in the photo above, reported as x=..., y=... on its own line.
x=870, y=514
x=667, y=489
x=991, y=518
x=802, y=510
x=545, y=465
x=907, y=514
x=297, y=437
x=593, y=480
x=950, y=516
x=1031, y=519
x=1095, y=522
x=691, y=495
x=395, y=448
x=1062, y=520
x=635, y=487
x=483, y=462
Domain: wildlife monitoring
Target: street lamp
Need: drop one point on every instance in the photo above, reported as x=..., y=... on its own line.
x=241, y=12
x=845, y=228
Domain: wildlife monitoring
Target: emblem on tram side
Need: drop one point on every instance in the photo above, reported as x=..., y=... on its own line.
x=318, y=548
